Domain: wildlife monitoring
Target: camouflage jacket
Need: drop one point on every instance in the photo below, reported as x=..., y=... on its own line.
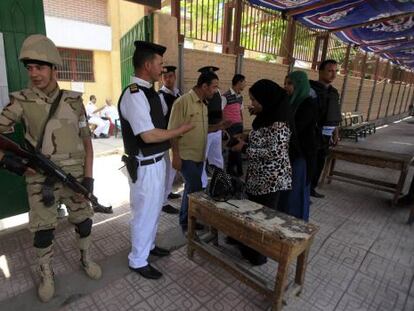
x=64, y=133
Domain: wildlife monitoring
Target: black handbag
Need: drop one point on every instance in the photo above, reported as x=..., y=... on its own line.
x=223, y=186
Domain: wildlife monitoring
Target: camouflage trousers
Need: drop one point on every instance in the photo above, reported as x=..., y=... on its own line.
x=42, y=217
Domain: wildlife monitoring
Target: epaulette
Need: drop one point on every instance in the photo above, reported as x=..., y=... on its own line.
x=133, y=88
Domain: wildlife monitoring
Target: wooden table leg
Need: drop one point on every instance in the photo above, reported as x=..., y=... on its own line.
x=281, y=279
x=191, y=236
x=302, y=263
x=400, y=185
x=214, y=232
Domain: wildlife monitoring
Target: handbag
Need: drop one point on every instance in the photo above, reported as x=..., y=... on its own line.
x=223, y=186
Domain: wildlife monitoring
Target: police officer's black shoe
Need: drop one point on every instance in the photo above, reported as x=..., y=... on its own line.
x=169, y=209
x=159, y=252
x=173, y=196
x=104, y=135
x=148, y=272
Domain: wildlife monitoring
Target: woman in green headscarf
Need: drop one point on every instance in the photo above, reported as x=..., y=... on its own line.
x=302, y=146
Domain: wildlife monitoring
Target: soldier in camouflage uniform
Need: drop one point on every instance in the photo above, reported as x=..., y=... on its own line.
x=67, y=141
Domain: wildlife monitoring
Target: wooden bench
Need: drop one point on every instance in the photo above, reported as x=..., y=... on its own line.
x=350, y=127
x=274, y=234
x=375, y=158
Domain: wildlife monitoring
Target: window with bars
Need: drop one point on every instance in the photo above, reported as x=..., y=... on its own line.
x=77, y=65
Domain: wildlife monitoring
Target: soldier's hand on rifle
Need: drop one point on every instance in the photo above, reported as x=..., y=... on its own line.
x=87, y=182
x=30, y=172
x=15, y=164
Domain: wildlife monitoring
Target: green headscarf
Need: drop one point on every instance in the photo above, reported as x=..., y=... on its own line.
x=302, y=87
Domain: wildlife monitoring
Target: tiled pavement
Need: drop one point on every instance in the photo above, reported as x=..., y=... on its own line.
x=362, y=259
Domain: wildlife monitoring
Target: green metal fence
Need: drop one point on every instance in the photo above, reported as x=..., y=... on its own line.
x=143, y=30
x=18, y=20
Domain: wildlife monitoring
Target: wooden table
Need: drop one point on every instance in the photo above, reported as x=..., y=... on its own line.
x=274, y=234
x=375, y=158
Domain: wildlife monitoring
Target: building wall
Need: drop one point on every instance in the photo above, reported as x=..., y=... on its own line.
x=107, y=21
x=101, y=88
x=129, y=14
x=393, y=99
x=376, y=100
x=365, y=96
x=90, y=11
x=385, y=98
x=193, y=60
x=350, y=95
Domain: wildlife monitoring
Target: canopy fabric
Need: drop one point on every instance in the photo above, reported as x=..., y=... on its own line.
x=390, y=38
x=283, y=4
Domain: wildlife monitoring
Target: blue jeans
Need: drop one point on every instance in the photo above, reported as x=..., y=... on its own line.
x=295, y=202
x=191, y=172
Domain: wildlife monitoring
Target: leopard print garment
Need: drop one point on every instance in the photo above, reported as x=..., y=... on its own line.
x=269, y=167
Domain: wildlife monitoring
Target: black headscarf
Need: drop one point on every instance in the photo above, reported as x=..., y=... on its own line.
x=274, y=101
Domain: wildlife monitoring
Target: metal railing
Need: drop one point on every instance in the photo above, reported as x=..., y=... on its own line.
x=304, y=46
x=337, y=50
x=202, y=19
x=262, y=30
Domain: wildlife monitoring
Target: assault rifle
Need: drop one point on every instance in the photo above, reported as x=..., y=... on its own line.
x=41, y=163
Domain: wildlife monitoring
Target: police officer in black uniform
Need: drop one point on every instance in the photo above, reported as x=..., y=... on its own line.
x=168, y=94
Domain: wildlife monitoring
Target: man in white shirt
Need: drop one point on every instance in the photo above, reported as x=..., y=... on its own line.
x=110, y=112
x=146, y=140
x=92, y=112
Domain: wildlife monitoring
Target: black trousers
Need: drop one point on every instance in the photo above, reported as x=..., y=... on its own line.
x=321, y=155
x=234, y=160
x=270, y=200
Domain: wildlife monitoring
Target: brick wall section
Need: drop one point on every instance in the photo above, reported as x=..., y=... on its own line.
x=376, y=100
x=409, y=97
x=393, y=98
x=255, y=70
x=365, y=97
x=404, y=91
x=385, y=99
x=193, y=60
x=91, y=11
x=351, y=94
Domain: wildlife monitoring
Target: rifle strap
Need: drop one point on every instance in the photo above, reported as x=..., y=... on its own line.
x=52, y=111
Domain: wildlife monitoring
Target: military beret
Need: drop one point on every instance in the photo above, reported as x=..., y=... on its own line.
x=166, y=69
x=208, y=68
x=151, y=47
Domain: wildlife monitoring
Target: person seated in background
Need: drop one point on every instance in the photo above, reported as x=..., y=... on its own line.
x=92, y=112
x=110, y=113
x=233, y=111
x=267, y=147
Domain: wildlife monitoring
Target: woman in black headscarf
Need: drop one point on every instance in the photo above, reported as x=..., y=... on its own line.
x=269, y=170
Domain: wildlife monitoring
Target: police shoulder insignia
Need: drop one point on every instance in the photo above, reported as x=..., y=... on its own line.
x=133, y=88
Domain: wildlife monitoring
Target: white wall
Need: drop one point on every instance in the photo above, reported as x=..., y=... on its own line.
x=73, y=34
x=4, y=91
